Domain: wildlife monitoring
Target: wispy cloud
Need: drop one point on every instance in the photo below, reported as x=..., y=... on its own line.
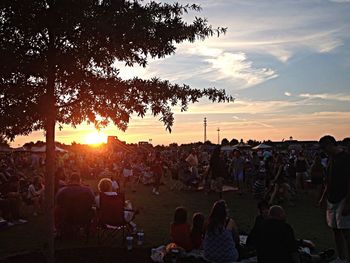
x=282, y=29
x=234, y=66
x=246, y=122
x=340, y=1
x=237, y=66
x=288, y=94
x=327, y=96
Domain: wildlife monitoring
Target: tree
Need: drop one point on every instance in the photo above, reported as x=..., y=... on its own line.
x=3, y=141
x=233, y=142
x=224, y=142
x=208, y=142
x=57, y=66
x=34, y=144
x=253, y=143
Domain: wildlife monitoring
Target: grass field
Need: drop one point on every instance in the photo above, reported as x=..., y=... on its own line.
x=308, y=222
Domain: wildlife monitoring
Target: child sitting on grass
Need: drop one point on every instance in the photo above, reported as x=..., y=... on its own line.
x=180, y=230
x=197, y=231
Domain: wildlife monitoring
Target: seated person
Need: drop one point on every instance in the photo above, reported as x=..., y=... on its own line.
x=221, y=236
x=74, y=206
x=276, y=242
x=105, y=186
x=180, y=230
x=197, y=231
x=263, y=211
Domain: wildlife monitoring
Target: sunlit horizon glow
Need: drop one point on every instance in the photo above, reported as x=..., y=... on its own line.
x=287, y=67
x=95, y=138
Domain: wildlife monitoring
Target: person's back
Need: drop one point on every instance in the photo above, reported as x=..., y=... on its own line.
x=300, y=165
x=75, y=198
x=75, y=202
x=259, y=188
x=276, y=242
x=219, y=246
x=219, y=241
x=180, y=235
x=180, y=230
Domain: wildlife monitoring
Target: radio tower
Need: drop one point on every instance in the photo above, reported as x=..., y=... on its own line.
x=205, y=129
x=218, y=130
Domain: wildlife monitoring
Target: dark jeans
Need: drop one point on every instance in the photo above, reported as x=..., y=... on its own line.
x=9, y=208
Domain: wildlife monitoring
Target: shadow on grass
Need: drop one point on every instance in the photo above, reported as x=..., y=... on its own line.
x=85, y=255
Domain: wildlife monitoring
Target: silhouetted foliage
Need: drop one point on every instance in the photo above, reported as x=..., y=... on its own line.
x=234, y=142
x=207, y=142
x=224, y=142
x=4, y=141
x=253, y=143
x=34, y=144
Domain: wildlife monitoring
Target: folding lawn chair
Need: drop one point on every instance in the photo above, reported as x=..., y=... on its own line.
x=111, y=217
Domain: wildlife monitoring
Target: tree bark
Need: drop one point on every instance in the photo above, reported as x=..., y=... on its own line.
x=49, y=188
x=50, y=120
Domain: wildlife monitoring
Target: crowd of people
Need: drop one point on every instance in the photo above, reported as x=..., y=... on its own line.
x=217, y=239
x=274, y=177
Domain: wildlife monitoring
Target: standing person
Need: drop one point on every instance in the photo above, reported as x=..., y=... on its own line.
x=127, y=174
x=317, y=175
x=301, y=167
x=238, y=170
x=35, y=194
x=217, y=170
x=280, y=187
x=337, y=194
x=157, y=169
x=192, y=160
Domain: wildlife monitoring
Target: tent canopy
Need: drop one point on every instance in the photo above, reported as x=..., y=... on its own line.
x=242, y=145
x=42, y=149
x=227, y=148
x=262, y=146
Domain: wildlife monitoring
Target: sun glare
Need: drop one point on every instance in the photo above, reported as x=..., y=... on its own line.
x=95, y=138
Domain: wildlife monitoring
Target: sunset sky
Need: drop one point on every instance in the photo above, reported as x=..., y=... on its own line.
x=287, y=63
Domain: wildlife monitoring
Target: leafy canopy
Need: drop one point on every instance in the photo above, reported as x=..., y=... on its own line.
x=74, y=43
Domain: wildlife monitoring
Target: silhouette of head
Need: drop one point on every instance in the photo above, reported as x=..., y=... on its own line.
x=328, y=144
x=277, y=212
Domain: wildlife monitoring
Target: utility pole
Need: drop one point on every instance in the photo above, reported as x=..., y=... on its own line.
x=218, y=130
x=205, y=129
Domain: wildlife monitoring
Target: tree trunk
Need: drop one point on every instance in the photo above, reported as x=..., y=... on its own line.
x=50, y=108
x=49, y=188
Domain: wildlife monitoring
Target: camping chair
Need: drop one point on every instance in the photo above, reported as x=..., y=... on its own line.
x=111, y=217
x=70, y=222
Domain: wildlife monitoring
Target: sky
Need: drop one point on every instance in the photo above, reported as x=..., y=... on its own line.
x=287, y=63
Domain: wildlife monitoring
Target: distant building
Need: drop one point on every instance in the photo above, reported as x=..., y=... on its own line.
x=114, y=144
x=293, y=144
x=145, y=144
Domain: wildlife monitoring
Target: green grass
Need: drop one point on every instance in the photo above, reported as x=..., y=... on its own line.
x=155, y=218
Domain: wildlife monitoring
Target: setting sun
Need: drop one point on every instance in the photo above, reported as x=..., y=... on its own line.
x=95, y=138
